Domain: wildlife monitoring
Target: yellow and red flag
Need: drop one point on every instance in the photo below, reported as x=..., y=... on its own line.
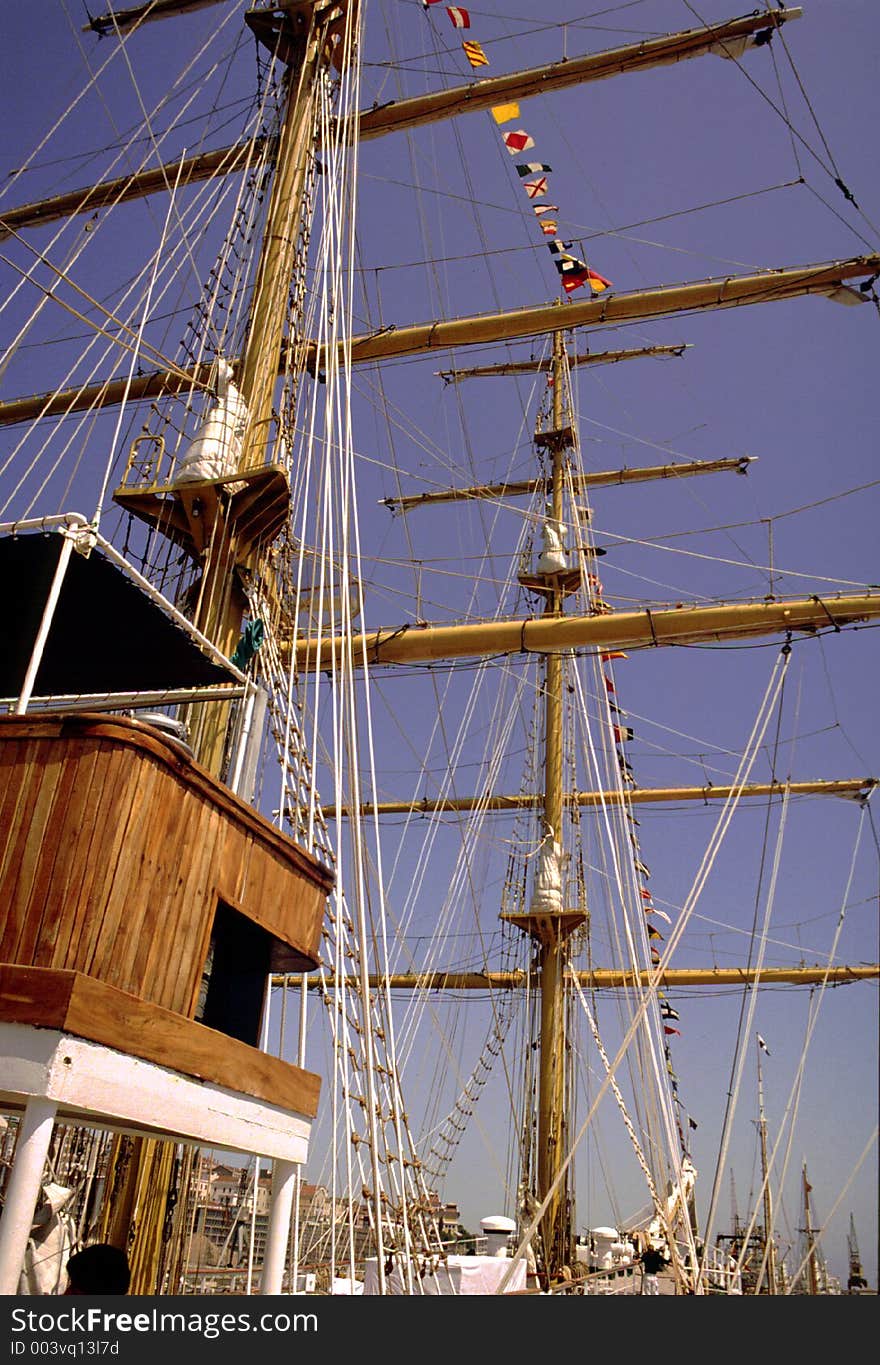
x=475, y=54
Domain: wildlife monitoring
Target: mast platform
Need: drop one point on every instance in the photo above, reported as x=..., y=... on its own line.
x=545, y=927
x=565, y=582
x=559, y=438
x=254, y=502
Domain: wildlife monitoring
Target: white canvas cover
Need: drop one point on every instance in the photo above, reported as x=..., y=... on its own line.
x=50, y=1243
x=342, y=1285
x=552, y=558
x=547, y=893
x=459, y=1275
x=216, y=449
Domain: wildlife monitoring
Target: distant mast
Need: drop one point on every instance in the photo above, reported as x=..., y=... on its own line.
x=547, y=921
x=769, y=1258
x=813, y=1276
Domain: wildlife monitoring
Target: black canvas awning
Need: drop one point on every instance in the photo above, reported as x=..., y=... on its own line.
x=107, y=635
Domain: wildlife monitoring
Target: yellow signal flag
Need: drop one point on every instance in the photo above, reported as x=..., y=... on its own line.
x=475, y=54
x=503, y=113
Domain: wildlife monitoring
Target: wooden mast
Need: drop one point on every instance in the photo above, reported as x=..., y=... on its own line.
x=850, y=788
x=622, y=630
x=553, y=932
x=298, y=32
x=813, y=1286
x=579, y=482
x=769, y=1242
x=546, y=920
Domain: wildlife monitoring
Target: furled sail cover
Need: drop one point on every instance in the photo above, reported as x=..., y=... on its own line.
x=107, y=635
x=547, y=893
x=216, y=450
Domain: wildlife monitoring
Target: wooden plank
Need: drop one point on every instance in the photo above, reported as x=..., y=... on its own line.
x=117, y=849
x=167, y=912
x=32, y=815
x=293, y=912
x=134, y=734
x=103, y=800
x=16, y=814
x=48, y=906
x=167, y=959
x=131, y=882
x=35, y=995
x=108, y=850
x=155, y=906
x=178, y=970
x=13, y=773
x=46, y=725
x=259, y=884
x=78, y=1004
x=231, y=871
x=88, y=796
x=200, y=780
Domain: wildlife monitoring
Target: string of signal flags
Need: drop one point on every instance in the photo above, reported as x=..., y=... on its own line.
x=573, y=272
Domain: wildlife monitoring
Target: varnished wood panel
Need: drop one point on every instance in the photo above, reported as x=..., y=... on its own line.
x=174, y=959
x=64, y=886
x=109, y=828
x=85, y=862
x=74, y=1003
x=114, y=848
x=200, y=837
x=32, y=814
x=132, y=896
x=13, y=771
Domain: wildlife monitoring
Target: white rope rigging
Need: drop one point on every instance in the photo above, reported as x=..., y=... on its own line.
x=124, y=150
x=621, y=1103
x=634, y=951
x=748, y=1024
x=789, y=1119
x=359, y=891
x=153, y=141
x=134, y=361
x=164, y=264
x=619, y=850
x=650, y=994
x=820, y=1233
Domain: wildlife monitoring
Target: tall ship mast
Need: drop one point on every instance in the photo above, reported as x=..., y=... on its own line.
x=813, y=1271
x=369, y=829
x=769, y=1259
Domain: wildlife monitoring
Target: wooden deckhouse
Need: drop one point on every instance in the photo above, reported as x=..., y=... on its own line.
x=143, y=904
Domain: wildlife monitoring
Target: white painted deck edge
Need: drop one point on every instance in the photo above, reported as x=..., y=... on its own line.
x=101, y=1087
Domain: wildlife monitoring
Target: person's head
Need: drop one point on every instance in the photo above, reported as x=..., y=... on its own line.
x=98, y=1269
